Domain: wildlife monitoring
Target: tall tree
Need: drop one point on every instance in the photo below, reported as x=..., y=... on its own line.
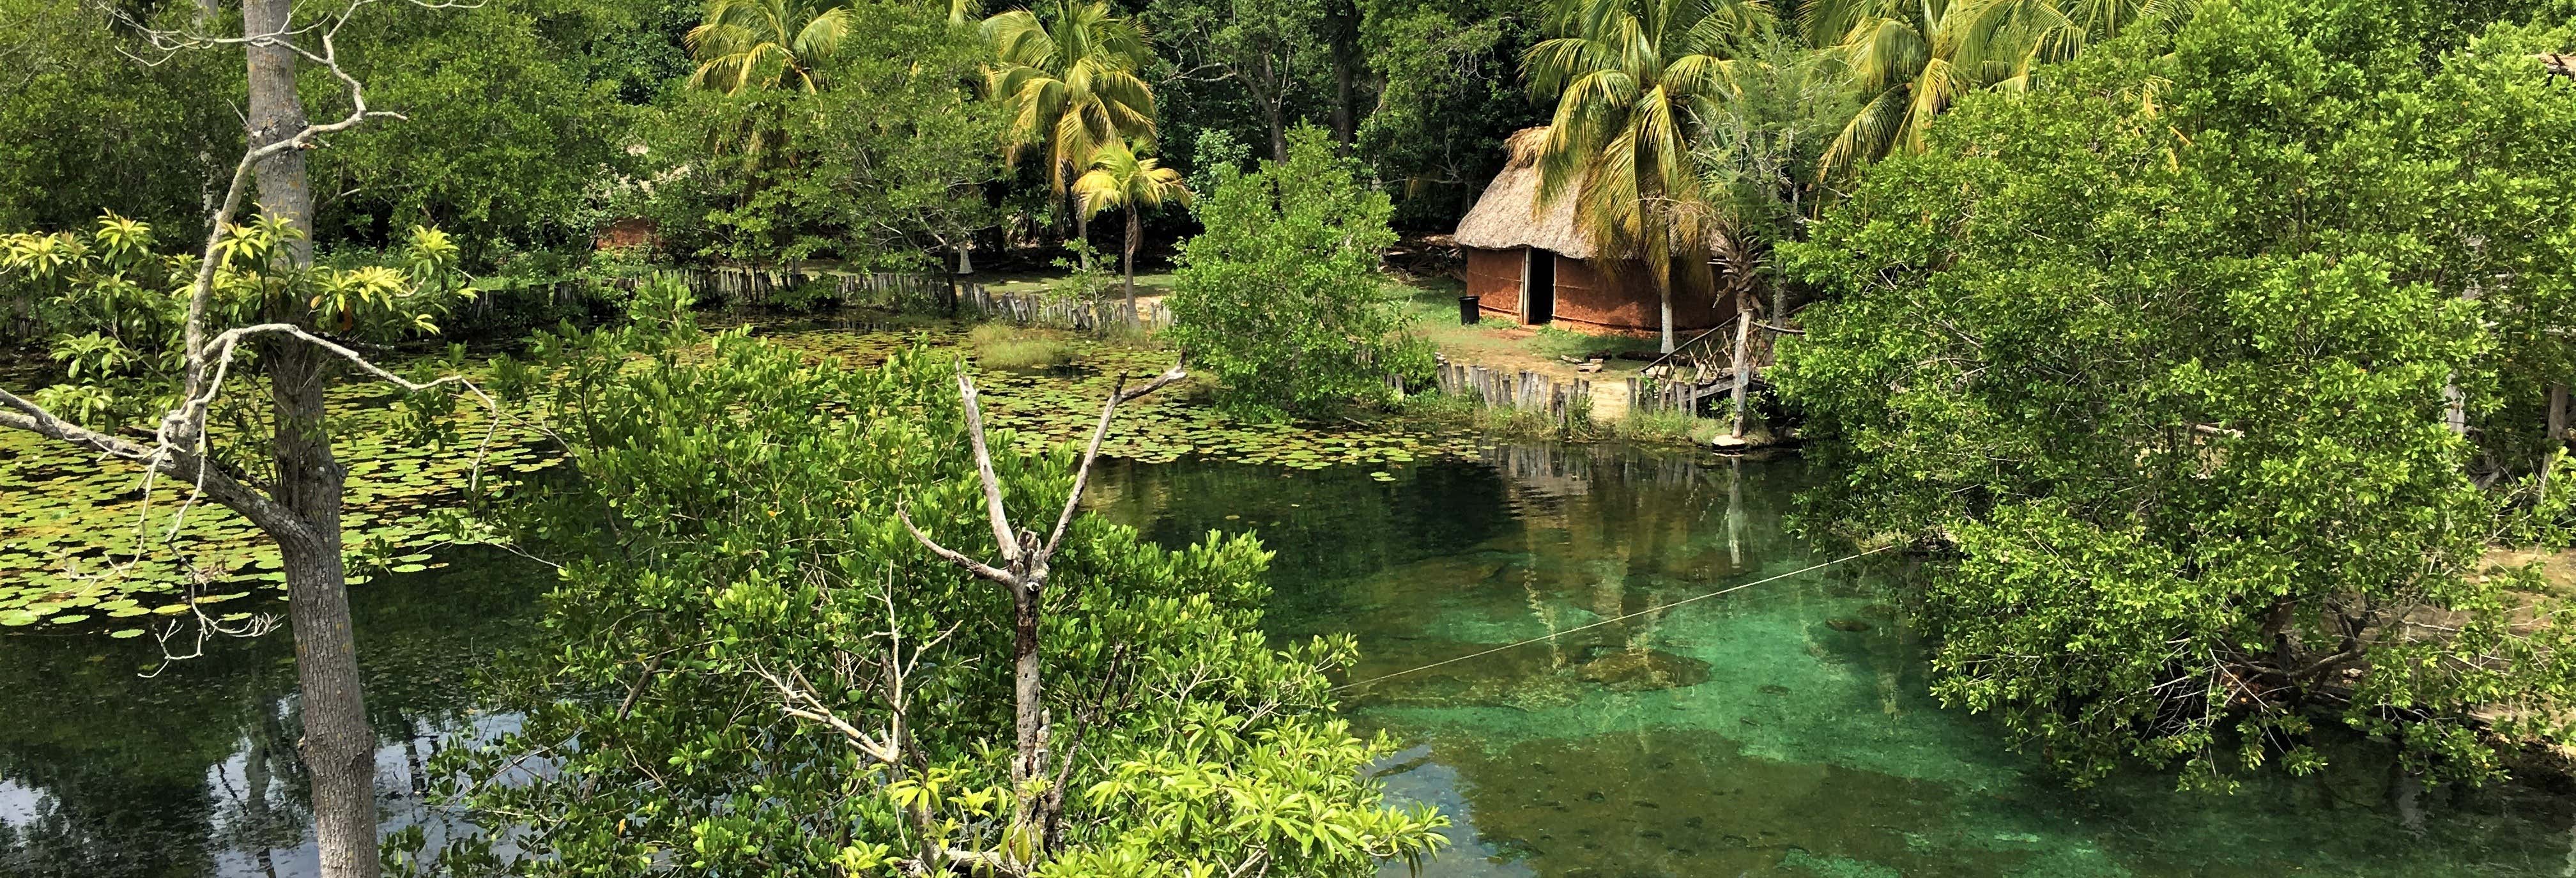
x=1071, y=82
x=1278, y=54
x=1632, y=80
x=1282, y=298
x=252, y=301
x=1120, y=179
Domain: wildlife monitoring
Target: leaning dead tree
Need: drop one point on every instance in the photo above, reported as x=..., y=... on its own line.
x=1022, y=571
x=297, y=503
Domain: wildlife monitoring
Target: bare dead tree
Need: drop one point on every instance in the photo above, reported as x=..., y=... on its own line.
x=1023, y=571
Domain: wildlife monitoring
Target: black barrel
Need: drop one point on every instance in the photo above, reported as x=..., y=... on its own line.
x=1466, y=310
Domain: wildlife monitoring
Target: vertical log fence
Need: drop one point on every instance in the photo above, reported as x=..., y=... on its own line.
x=1563, y=403
x=762, y=286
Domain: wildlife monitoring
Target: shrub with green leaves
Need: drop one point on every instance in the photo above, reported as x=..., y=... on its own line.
x=1281, y=297
x=735, y=537
x=2163, y=361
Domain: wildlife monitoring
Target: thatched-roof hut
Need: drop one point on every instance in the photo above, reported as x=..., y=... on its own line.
x=1530, y=261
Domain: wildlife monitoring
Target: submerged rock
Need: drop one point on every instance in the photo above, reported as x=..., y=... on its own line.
x=1851, y=625
x=1641, y=670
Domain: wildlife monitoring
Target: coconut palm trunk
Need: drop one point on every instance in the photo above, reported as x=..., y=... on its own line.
x=1135, y=229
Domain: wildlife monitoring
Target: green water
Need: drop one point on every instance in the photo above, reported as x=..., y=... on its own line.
x=1780, y=730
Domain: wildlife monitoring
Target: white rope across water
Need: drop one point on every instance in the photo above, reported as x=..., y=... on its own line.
x=1655, y=609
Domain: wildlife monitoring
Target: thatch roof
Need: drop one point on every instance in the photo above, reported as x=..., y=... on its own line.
x=1507, y=215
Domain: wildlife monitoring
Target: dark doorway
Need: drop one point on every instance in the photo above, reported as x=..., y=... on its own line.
x=1538, y=286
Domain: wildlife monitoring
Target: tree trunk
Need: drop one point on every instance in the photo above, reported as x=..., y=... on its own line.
x=1135, y=227
x=1082, y=232
x=1743, y=368
x=1345, y=26
x=338, y=747
x=2557, y=438
x=1664, y=293
x=1273, y=109
x=1029, y=721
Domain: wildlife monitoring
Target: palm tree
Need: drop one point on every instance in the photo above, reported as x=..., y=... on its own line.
x=757, y=45
x=1118, y=178
x=1631, y=80
x=1911, y=59
x=1070, y=83
x=765, y=44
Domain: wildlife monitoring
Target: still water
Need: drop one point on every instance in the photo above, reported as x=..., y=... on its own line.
x=1778, y=730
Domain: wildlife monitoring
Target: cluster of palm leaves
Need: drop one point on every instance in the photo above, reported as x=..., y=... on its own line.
x=1911, y=59
x=1069, y=75
x=1635, y=83
x=1072, y=86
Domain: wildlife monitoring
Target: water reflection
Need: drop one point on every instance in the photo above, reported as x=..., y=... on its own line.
x=195, y=772
x=1778, y=730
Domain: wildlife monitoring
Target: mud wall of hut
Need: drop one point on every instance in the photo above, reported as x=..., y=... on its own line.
x=1494, y=278
x=1623, y=299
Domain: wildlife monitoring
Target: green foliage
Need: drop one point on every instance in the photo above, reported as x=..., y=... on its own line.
x=514, y=127
x=117, y=306
x=2160, y=360
x=1280, y=298
x=1448, y=93
x=513, y=123
x=882, y=162
x=736, y=524
x=83, y=129
x=1069, y=84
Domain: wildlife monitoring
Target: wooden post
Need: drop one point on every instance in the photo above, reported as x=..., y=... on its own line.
x=2557, y=432
x=1743, y=369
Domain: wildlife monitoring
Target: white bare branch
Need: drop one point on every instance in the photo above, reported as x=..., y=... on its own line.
x=1118, y=395
x=1010, y=543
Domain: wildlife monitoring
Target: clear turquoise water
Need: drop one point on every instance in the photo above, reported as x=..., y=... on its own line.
x=1780, y=730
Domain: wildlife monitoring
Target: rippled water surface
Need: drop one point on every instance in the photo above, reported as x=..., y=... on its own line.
x=1777, y=730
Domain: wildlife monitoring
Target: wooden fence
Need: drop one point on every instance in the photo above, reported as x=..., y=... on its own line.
x=760, y=286
x=1035, y=310
x=1562, y=402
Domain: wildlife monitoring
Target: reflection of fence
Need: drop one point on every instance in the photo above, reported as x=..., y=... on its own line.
x=1561, y=402
x=763, y=286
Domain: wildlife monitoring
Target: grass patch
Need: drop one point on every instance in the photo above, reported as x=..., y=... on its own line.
x=1553, y=342
x=1667, y=427
x=1001, y=344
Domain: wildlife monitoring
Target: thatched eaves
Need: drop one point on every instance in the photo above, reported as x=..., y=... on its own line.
x=1508, y=215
